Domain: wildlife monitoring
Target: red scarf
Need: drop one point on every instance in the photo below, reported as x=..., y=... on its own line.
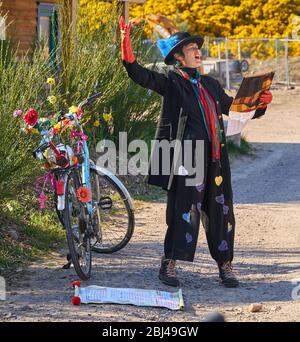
x=209, y=114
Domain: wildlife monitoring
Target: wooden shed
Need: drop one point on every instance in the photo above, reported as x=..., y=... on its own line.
x=25, y=21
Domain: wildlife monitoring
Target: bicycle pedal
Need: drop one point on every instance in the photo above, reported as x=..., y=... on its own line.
x=105, y=203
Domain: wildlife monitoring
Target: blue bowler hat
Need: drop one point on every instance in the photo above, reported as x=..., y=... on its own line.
x=168, y=47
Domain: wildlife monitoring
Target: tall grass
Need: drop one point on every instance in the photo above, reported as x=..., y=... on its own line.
x=22, y=85
x=92, y=62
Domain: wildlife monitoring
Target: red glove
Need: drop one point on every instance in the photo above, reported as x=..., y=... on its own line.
x=265, y=98
x=126, y=47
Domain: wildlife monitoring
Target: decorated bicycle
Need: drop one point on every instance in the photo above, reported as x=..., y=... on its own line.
x=92, y=204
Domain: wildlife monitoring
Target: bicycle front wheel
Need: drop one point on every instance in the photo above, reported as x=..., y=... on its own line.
x=113, y=215
x=78, y=238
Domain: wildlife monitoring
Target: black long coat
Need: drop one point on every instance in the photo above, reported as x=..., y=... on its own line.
x=177, y=93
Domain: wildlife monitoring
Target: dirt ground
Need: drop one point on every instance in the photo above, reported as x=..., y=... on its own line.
x=267, y=253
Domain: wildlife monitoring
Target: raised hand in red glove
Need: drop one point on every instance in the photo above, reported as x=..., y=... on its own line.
x=126, y=47
x=265, y=98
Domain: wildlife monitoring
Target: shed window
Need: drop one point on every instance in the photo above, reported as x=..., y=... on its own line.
x=47, y=28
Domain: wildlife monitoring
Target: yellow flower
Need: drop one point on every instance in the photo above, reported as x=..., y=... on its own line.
x=34, y=131
x=30, y=130
x=58, y=126
x=52, y=99
x=107, y=117
x=73, y=109
x=51, y=81
x=97, y=123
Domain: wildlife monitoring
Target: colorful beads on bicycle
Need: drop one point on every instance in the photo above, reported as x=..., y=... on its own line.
x=42, y=200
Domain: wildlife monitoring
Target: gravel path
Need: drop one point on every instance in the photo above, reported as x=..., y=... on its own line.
x=267, y=257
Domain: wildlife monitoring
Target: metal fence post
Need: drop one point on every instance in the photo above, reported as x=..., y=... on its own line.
x=227, y=64
x=276, y=60
x=287, y=76
x=239, y=49
x=207, y=47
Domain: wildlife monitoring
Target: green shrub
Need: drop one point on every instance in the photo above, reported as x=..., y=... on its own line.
x=92, y=62
x=22, y=86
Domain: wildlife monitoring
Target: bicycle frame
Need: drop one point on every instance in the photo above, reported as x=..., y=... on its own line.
x=85, y=168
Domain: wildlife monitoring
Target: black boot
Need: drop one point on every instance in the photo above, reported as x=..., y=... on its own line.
x=226, y=275
x=167, y=272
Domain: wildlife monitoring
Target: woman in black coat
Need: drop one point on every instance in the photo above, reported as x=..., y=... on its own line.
x=192, y=110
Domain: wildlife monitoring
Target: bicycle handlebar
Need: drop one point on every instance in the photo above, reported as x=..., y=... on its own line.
x=89, y=100
x=85, y=102
x=41, y=148
x=44, y=146
x=61, y=159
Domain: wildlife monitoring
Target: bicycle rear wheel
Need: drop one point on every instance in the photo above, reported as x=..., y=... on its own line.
x=113, y=215
x=74, y=220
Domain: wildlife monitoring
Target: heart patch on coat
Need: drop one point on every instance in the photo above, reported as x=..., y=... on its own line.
x=200, y=187
x=188, y=237
x=225, y=209
x=187, y=217
x=223, y=247
x=218, y=180
x=220, y=199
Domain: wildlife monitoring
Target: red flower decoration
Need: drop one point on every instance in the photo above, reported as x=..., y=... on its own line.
x=31, y=117
x=76, y=300
x=83, y=194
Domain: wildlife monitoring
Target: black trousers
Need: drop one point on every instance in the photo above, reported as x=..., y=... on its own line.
x=186, y=205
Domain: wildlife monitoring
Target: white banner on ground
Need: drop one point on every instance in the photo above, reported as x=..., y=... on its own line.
x=140, y=297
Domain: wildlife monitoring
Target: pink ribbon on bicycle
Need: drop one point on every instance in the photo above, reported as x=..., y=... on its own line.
x=48, y=178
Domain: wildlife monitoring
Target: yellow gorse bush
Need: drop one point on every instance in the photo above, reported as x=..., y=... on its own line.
x=93, y=14
x=214, y=18
x=232, y=18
